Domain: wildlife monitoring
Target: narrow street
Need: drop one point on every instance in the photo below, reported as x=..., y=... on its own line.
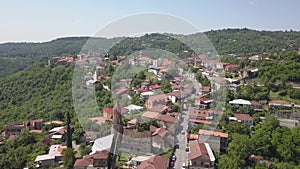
x=181, y=130
x=180, y=153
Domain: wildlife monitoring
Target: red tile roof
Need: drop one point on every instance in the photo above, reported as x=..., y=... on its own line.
x=213, y=133
x=108, y=110
x=153, y=128
x=193, y=136
x=176, y=94
x=206, y=100
x=200, y=114
x=243, y=117
x=175, y=87
x=133, y=133
x=255, y=103
x=142, y=90
x=200, y=121
x=154, y=86
x=167, y=118
x=160, y=131
x=232, y=66
x=88, y=160
x=144, y=58
x=83, y=162
x=155, y=162
x=197, y=149
x=99, y=155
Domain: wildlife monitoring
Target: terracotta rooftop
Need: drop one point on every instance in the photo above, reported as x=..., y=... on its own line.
x=168, y=117
x=255, y=103
x=161, y=97
x=153, y=128
x=150, y=114
x=213, y=133
x=109, y=110
x=243, y=116
x=154, y=86
x=200, y=121
x=193, y=136
x=155, y=162
x=144, y=58
x=197, y=149
x=83, y=162
x=158, y=108
x=279, y=102
x=232, y=66
x=160, y=131
x=142, y=90
x=132, y=121
x=136, y=134
x=176, y=94
x=98, y=120
x=206, y=100
x=98, y=155
x=196, y=114
x=88, y=160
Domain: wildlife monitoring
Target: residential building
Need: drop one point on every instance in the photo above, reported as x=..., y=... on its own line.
x=216, y=140
x=155, y=162
x=136, y=141
x=108, y=113
x=54, y=156
x=244, y=118
x=156, y=99
x=200, y=156
x=32, y=125
x=141, y=61
x=161, y=138
x=94, y=161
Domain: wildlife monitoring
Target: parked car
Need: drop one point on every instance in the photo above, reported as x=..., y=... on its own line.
x=172, y=163
x=176, y=147
x=187, y=149
x=173, y=157
x=183, y=166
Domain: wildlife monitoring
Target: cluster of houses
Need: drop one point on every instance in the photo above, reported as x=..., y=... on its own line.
x=11, y=131
x=145, y=145
x=158, y=138
x=58, y=134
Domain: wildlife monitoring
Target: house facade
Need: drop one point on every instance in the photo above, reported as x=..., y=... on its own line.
x=136, y=141
x=200, y=156
x=155, y=162
x=98, y=160
x=216, y=140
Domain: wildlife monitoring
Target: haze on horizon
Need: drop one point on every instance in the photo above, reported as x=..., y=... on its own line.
x=39, y=21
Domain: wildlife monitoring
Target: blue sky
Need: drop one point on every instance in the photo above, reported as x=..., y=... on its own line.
x=41, y=20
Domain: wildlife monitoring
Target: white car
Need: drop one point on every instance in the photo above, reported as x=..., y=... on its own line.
x=183, y=166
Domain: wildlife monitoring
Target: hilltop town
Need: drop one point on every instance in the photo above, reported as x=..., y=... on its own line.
x=156, y=112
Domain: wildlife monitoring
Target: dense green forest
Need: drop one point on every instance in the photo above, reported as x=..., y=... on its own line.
x=246, y=41
x=268, y=141
x=17, y=56
x=39, y=91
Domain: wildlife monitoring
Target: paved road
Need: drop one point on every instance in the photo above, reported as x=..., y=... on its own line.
x=181, y=130
x=180, y=153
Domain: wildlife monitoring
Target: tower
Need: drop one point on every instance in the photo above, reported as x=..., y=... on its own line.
x=117, y=130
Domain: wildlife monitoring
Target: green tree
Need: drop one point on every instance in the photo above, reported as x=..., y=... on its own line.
x=68, y=157
x=69, y=131
x=228, y=162
x=239, y=150
x=166, y=86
